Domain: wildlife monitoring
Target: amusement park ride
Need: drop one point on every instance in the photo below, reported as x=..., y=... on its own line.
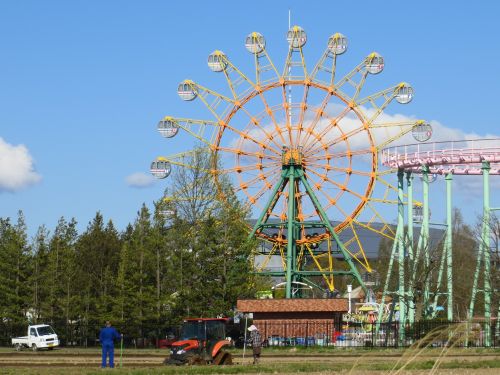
x=299, y=164
x=301, y=148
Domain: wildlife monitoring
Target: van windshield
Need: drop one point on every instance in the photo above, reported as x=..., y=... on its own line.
x=45, y=330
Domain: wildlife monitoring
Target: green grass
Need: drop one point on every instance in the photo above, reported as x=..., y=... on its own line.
x=298, y=367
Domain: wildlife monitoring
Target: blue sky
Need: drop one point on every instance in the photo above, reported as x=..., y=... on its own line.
x=84, y=83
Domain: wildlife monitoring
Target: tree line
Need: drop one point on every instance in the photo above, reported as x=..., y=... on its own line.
x=157, y=270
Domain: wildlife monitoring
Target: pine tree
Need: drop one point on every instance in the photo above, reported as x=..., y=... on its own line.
x=14, y=272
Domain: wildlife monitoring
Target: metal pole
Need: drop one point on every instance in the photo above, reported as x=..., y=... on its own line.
x=349, y=291
x=290, y=230
x=424, y=232
x=401, y=257
x=486, y=243
x=245, y=336
x=448, y=245
x=483, y=255
x=411, y=302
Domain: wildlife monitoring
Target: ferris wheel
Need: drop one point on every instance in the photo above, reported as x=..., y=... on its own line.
x=300, y=147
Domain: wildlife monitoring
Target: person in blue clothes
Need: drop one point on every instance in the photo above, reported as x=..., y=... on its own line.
x=107, y=338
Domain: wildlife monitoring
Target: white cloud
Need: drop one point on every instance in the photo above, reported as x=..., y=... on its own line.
x=140, y=180
x=16, y=167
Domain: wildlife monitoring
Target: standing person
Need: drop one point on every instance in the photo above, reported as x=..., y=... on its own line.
x=107, y=338
x=256, y=341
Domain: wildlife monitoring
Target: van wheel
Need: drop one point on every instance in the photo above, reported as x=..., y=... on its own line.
x=18, y=347
x=34, y=347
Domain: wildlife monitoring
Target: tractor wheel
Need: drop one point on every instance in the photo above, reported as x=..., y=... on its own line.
x=195, y=360
x=223, y=358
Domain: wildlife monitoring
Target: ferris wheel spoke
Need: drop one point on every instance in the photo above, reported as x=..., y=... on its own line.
x=255, y=43
x=337, y=155
x=185, y=159
x=169, y=127
x=288, y=121
x=269, y=136
x=404, y=128
x=268, y=185
x=329, y=167
x=211, y=99
x=245, y=168
x=344, y=136
x=328, y=278
x=340, y=186
x=244, y=185
x=319, y=113
x=258, y=155
x=361, y=252
x=372, y=64
x=349, y=78
x=267, y=258
x=332, y=201
x=296, y=39
x=386, y=230
x=303, y=108
x=234, y=77
x=328, y=61
x=388, y=96
x=333, y=123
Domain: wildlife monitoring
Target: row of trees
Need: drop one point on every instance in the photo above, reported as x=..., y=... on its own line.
x=193, y=262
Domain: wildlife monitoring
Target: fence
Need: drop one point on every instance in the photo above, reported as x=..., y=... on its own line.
x=153, y=334
x=423, y=333
x=148, y=334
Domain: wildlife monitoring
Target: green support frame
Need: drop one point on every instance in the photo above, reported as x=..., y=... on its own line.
x=292, y=175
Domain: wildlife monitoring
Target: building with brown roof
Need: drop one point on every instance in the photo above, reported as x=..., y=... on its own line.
x=308, y=320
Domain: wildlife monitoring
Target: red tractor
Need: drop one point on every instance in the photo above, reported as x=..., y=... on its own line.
x=202, y=341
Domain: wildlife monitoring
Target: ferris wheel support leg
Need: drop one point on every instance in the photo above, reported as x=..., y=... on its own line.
x=290, y=248
x=353, y=270
x=269, y=206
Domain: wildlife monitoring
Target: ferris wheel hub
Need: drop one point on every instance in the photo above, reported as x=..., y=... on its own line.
x=292, y=156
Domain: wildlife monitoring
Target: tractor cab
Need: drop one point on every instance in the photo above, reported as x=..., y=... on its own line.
x=201, y=341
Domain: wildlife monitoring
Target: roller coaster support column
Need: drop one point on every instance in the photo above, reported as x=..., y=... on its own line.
x=484, y=255
x=485, y=240
x=409, y=246
x=448, y=246
x=401, y=258
x=424, y=239
x=445, y=257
